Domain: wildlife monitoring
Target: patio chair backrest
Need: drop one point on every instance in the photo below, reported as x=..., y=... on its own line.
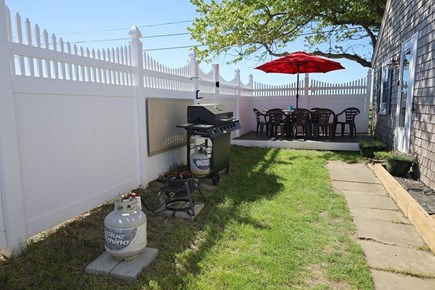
x=301, y=116
x=350, y=114
x=324, y=116
x=276, y=116
x=257, y=114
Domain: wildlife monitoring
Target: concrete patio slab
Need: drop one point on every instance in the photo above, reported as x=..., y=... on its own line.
x=183, y=214
x=393, y=281
x=297, y=144
x=105, y=264
x=399, y=259
x=423, y=222
x=102, y=265
x=388, y=233
x=350, y=175
x=358, y=186
x=334, y=165
x=364, y=200
x=368, y=193
x=392, y=216
x=131, y=269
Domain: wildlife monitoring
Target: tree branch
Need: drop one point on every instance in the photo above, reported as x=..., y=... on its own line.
x=348, y=56
x=372, y=36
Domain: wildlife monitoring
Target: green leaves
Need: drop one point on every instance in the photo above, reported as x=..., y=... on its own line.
x=253, y=27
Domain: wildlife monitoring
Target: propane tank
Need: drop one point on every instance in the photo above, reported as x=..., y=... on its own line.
x=125, y=229
x=200, y=162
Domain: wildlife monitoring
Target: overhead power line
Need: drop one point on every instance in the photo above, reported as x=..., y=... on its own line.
x=166, y=35
x=170, y=35
x=172, y=47
x=184, y=33
x=125, y=28
x=126, y=38
x=166, y=23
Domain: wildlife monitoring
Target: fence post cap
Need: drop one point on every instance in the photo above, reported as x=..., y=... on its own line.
x=134, y=32
x=192, y=55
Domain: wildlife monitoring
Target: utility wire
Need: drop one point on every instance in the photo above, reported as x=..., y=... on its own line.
x=170, y=35
x=186, y=33
x=172, y=47
x=125, y=28
x=126, y=38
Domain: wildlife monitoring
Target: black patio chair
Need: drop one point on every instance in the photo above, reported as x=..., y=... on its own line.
x=324, y=121
x=261, y=122
x=276, y=120
x=347, y=117
x=301, y=118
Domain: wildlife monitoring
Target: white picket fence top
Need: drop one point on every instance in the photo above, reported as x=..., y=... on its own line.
x=41, y=55
x=308, y=86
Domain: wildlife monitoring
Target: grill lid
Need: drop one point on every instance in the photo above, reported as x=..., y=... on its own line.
x=209, y=114
x=211, y=131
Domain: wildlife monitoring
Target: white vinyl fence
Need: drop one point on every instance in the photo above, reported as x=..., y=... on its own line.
x=74, y=124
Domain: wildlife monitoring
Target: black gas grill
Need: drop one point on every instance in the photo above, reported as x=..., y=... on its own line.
x=213, y=114
x=214, y=122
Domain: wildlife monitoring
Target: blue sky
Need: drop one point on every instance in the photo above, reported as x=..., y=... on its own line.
x=105, y=24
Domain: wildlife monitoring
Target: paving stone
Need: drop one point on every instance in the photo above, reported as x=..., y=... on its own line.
x=129, y=270
x=363, y=200
x=393, y=281
x=339, y=165
x=102, y=265
x=388, y=233
x=354, y=176
x=393, y=216
x=183, y=214
x=366, y=192
x=390, y=242
x=359, y=186
x=105, y=264
x=399, y=259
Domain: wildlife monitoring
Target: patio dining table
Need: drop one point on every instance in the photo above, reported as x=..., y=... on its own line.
x=288, y=122
x=299, y=118
x=306, y=121
x=302, y=121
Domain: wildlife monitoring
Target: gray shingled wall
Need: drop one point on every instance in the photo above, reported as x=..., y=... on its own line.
x=404, y=19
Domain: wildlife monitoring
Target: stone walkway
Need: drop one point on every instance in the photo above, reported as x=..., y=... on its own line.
x=397, y=256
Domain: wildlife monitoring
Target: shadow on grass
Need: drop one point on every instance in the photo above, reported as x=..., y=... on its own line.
x=58, y=260
x=247, y=182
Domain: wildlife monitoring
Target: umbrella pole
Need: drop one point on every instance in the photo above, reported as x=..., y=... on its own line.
x=297, y=92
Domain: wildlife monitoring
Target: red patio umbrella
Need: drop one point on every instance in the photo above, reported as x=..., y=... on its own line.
x=300, y=62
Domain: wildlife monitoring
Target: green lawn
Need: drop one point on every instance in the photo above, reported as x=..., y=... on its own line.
x=274, y=222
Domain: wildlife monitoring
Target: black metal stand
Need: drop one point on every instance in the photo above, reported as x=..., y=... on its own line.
x=179, y=194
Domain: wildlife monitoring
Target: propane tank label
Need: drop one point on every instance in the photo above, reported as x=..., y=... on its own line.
x=203, y=163
x=118, y=239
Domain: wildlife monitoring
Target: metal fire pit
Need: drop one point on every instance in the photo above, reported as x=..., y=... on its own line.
x=178, y=193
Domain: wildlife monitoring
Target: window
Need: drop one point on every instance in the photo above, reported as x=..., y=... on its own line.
x=385, y=84
x=404, y=92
